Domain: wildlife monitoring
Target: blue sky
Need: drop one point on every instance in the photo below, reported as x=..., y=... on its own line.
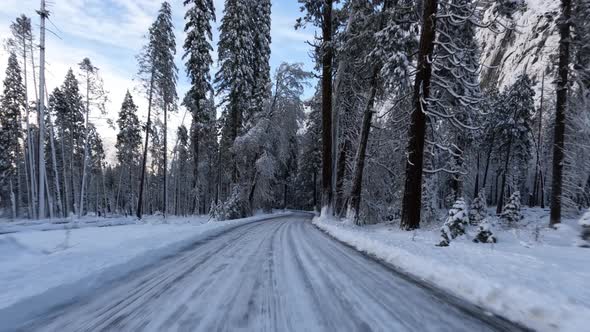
x=110, y=33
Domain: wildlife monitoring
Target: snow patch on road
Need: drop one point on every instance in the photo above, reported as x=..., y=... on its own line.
x=534, y=276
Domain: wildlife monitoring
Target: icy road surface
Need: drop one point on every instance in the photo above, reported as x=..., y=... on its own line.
x=276, y=275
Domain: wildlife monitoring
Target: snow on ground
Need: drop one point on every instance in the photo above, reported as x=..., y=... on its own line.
x=41, y=269
x=534, y=275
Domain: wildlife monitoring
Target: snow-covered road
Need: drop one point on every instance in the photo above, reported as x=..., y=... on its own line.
x=276, y=275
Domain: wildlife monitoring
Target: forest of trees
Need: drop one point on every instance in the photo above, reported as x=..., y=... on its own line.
x=399, y=127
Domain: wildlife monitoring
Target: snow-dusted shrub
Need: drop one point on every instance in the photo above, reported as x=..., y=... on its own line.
x=478, y=210
x=511, y=212
x=455, y=224
x=234, y=207
x=484, y=233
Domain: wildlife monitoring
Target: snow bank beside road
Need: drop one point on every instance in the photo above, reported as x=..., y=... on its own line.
x=538, y=280
x=39, y=270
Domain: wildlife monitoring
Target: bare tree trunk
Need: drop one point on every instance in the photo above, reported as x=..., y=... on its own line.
x=499, y=206
x=354, y=200
x=55, y=171
x=63, y=163
x=165, y=209
x=476, y=190
x=561, y=108
x=340, y=175
x=327, y=57
x=145, y=149
x=86, y=148
x=539, y=146
x=43, y=13
x=412, y=201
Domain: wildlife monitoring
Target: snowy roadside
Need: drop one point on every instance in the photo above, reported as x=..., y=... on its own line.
x=533, y=276
x=42, y=269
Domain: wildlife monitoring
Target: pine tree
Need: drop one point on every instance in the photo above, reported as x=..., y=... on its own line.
x=484, y=233
x=197, y=47
x=128, y=151
x=180, y=167
x=260, y=14
x=512, y=209
x=389, y=39
x=159, y=74
x=478, y=210
x=166, y=82
x=235, y=78
x=309, y=163
x=455, y=224
x=12, y=106
x=68, y=109
x=456, y=93
x=513, y=128
x=23, y=37
x=96, y=96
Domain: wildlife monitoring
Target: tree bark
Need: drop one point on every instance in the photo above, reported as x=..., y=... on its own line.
x=354, y=201
x=145, y=149
x=500, y=204
x=340, y=175
x=327, y=57
x=412, y=200
x=535, y=196
x=561, y=107
x=86, y=148
x=165, y=208
x=476, y=190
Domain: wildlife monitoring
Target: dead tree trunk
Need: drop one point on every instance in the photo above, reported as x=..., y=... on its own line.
x=412, y=201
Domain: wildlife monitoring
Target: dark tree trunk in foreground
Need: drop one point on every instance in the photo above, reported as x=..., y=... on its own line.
x=327, y=106
x=561, y=105
x=412, y=200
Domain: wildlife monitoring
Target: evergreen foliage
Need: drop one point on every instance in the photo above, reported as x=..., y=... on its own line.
x=478, y=210
x=456, y=223
x=511, y=212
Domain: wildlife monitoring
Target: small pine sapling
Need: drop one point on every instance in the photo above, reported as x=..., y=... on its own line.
x=478, y=210
x=484, y=233
x=512, y=209
x=455, y=224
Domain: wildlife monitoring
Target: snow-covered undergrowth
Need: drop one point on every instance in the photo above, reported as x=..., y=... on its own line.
x=534, y=275
x=42, y=269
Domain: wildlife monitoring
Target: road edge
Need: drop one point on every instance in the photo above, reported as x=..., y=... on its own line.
x=468, y=307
